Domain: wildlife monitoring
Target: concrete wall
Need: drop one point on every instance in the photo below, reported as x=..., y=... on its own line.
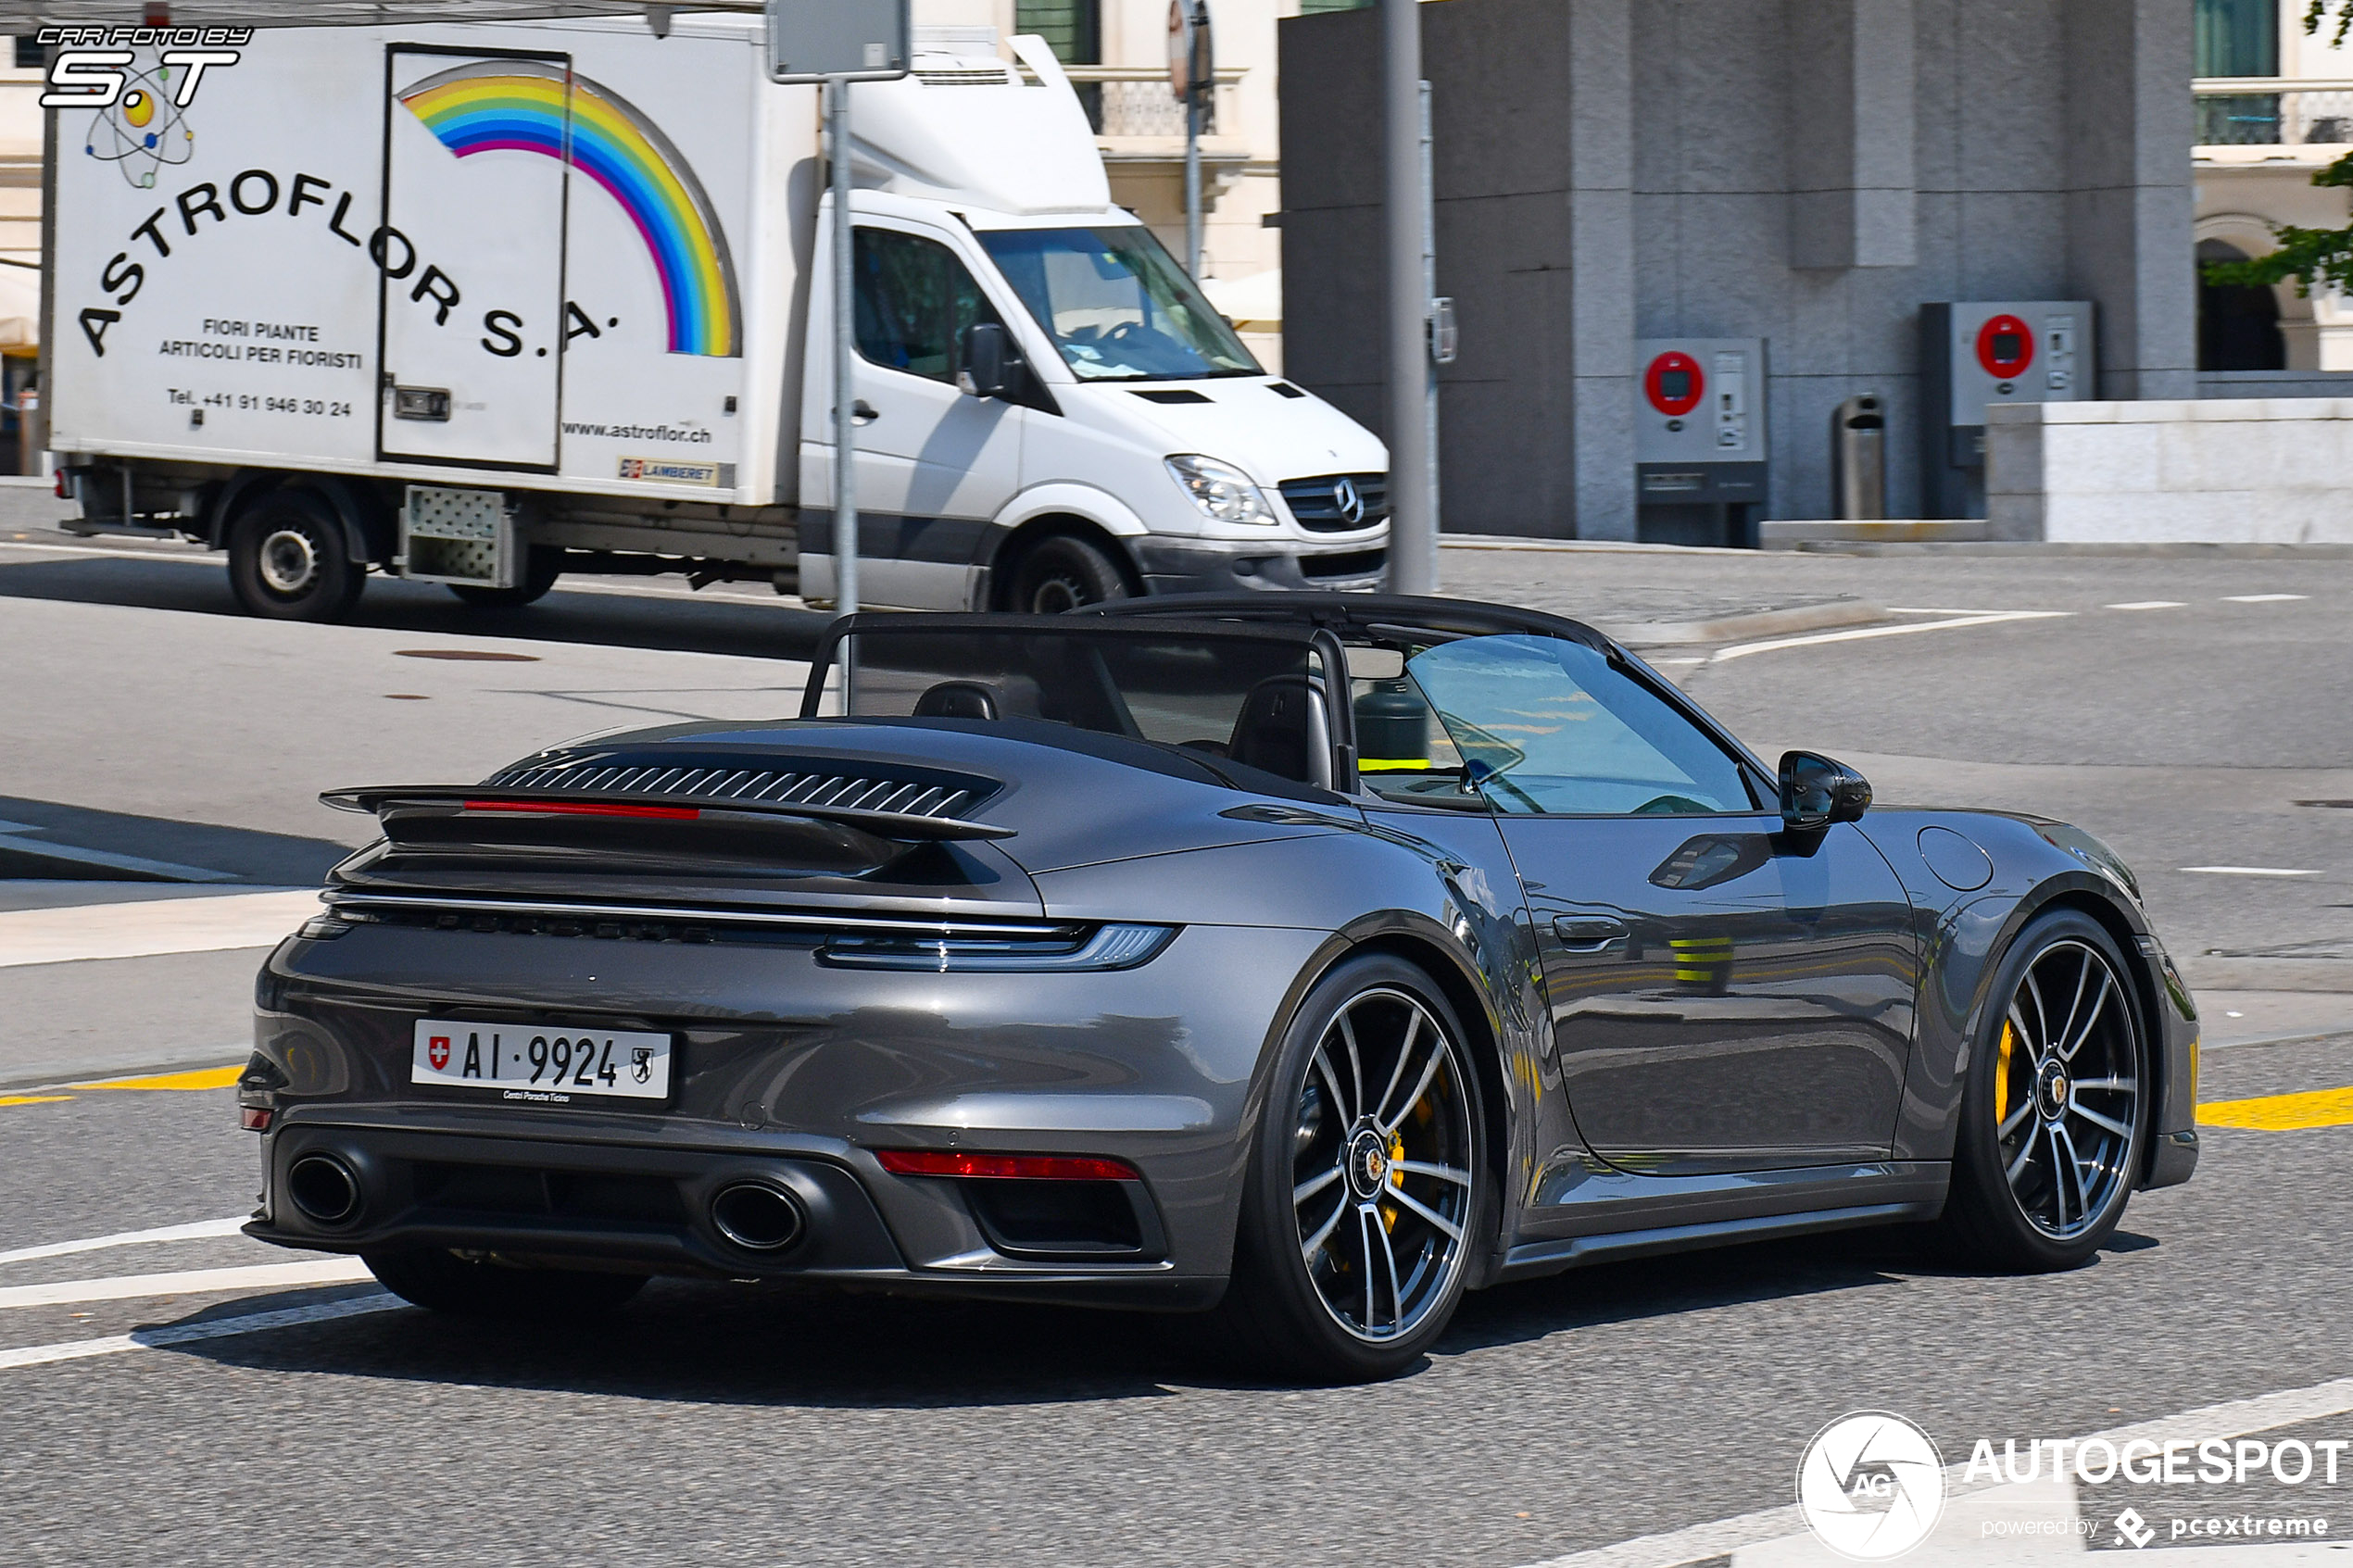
x=1809, y=172
x=2244, y=470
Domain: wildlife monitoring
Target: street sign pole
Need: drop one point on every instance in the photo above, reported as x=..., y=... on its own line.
x=833, y=43
x=844, y=347
x=1413, y=526
x=1192, y=76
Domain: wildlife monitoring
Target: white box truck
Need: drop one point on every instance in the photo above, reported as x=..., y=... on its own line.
x=480, y=304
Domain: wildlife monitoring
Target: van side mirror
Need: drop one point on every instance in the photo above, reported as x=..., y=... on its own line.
x=989, y=361
x=1817, y=791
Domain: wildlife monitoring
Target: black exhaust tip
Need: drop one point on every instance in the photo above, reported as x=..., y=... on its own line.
x=757, y=1216
x=323, y=1189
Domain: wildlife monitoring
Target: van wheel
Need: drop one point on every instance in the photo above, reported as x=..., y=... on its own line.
x=1061, y=573
x=539, y=575
x=290, y=559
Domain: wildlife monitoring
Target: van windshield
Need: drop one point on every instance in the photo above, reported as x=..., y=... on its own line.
x=1117, y=304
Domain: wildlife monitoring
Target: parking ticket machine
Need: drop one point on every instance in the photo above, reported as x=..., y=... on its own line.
x=1975, y=354
x=1700, y=439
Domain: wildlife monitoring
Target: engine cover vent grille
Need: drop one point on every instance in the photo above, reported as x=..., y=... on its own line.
x=914, y=798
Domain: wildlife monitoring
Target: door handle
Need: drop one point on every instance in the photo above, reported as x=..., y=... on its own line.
x=1589, y=934
x=863, y=413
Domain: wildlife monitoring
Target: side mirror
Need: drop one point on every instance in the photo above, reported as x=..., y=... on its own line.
x=1817, y=791
x=989, y=361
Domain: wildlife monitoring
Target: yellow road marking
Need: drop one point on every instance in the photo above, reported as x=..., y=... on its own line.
x=201, y=1078
x=2317, y=1107
x=197, y=1078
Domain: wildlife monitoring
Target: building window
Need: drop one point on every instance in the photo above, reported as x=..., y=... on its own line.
x=1315, y=8
x=2238, y=38
x=2238, y=324
x=28, y=55
x=1072, y=28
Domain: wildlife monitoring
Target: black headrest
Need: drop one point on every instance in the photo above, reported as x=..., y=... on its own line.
x=959, y=699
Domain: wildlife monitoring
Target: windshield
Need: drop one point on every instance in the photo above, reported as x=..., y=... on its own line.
x=1116, y=305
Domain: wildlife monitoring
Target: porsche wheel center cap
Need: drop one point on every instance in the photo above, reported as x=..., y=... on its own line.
x=2051, y=1091
x=1367, y=1163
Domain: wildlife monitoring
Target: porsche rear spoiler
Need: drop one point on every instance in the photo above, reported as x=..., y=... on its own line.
x=391, y=803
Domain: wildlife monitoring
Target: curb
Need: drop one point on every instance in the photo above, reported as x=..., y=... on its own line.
x=1742, y=627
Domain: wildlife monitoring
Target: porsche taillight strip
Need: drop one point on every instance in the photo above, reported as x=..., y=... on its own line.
x=795, y=920
x=1003, y=1167
x=393, y=802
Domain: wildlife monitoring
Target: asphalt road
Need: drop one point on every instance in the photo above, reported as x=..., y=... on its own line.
x=717, y=1425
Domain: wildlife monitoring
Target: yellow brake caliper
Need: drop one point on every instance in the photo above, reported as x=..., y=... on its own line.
x=1396, y=1177
x=2002, y=1075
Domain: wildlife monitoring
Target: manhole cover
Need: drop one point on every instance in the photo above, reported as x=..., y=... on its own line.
x=480, y=655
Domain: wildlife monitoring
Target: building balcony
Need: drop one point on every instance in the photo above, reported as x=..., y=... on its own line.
x=2253, y=121
x=1138, y=119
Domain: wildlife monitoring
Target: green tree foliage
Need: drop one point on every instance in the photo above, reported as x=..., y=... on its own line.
x=2310, y=255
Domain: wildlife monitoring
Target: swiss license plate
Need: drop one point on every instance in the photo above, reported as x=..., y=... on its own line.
x=541, y=1063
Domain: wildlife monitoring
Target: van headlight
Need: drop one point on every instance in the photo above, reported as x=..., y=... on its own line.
x=1221, y=490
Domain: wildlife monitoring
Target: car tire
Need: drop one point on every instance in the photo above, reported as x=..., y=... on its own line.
x=290, y=558
x=1063, y=572
x=1292, y=1309
x=2055, y=1106
x=480, y=1287
x=539, y=576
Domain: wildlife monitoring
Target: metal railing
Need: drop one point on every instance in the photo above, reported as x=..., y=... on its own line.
x=1126, y=101
x=2266, y=111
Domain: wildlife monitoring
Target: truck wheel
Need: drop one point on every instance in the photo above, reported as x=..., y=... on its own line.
x=539, y=575
x=290, y=559
x=1061, y=573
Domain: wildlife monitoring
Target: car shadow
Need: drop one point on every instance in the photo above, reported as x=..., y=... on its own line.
x=769, y=1346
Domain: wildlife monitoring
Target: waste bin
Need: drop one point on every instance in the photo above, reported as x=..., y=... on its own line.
x=1858, y=458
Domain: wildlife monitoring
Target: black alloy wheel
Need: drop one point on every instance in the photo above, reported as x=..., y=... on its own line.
x=2055, y=1115
x=539, y=575
x=1061, y=573
x=1368, y=1185
x=476, y=1285
x=290, y=558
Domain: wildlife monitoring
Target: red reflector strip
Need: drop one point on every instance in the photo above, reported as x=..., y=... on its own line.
x=1015, y=1167
x=585, y=808
x=253, y=1119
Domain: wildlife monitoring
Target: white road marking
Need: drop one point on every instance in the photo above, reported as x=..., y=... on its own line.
x=1975, y=618
x=2247, y=871
x=188, y=1333
x=2148, y=604
x=199, y=1230
x=186, y=1282
x=141, y=928
x=2235, y=1418
x=2261, y=598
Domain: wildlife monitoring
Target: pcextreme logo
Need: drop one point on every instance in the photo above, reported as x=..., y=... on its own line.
x=90, y=69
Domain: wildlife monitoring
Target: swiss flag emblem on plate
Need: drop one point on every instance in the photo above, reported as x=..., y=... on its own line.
x=437, y=1052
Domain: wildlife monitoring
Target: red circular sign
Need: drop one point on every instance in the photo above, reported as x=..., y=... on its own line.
x=1674, y=384
x=2005, y=347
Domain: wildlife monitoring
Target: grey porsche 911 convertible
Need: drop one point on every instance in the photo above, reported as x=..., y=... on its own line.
x=1305, y=958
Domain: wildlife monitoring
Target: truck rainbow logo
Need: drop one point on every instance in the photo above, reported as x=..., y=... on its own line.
x=534, y=107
